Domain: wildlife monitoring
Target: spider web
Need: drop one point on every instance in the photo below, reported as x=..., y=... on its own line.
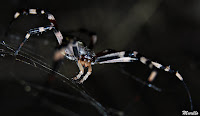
x=8, y=51
x=28, y=58
x=39, y=64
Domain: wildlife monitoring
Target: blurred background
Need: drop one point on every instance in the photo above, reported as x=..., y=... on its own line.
x=165, y=31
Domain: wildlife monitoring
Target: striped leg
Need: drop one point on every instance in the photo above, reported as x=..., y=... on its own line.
x=130, y=56
x=153, y=64
x=111, y=56
x=49, y=16
x=32, y=32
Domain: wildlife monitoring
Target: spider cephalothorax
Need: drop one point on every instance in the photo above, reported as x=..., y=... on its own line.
x=75, y=50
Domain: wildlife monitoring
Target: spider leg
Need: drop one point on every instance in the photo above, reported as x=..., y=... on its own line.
x=153, y=64
x=111, y=56
x=93, y=40
x=130, y=56
x=59, y=54
x=32, y=32
x=58, y=58
x=49, y=16
x=126, y=56
x=80, y=66
x=92, y=35
x=89, y=72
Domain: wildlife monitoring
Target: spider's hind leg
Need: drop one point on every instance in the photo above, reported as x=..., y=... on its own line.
x=130, y=56
x=153, y=64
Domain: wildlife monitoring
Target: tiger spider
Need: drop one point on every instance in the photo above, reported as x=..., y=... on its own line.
x=73, y=49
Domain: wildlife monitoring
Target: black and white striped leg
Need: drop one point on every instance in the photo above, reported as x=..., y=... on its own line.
x=49, y=16
x=32, y=32
x=153, y=64
x=153, y=74
x=111, y=56
x=130, y=56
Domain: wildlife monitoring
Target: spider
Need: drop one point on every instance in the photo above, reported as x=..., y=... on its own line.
x=72, y=48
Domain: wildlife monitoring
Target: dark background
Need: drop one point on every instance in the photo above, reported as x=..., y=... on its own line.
x=166, y=31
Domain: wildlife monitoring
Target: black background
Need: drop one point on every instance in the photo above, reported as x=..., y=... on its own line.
x=166, y=31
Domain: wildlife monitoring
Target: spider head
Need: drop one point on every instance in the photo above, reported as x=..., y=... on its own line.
x=85, y=54
x=88, y=56
x=75, y=50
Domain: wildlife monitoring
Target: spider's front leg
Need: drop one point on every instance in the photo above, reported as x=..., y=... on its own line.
x=53, y=25
x=89, y=72
x=81, y=64
x=32, y=32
